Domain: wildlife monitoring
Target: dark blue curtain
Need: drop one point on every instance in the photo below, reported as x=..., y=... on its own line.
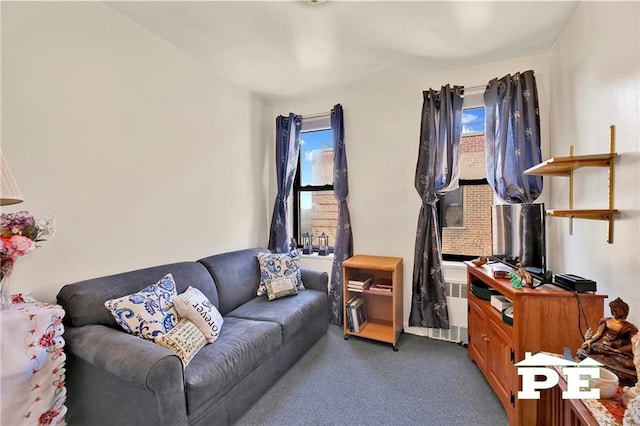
x=287, y=149
x=343, y=248
x=512, y=132
x=437, y=172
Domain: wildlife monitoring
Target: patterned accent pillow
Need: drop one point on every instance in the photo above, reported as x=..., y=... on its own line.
x=279, y=265
x=281, y=287
x=185, y=339
x=149, y=312
x=195, y=306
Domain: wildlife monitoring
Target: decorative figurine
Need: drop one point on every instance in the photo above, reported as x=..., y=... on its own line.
x=482, y=260
x=611, y=345
x=629, y=393
x=515, y=280
x=524, y=275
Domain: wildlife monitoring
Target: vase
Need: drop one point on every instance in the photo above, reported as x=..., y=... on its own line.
x=5, y=287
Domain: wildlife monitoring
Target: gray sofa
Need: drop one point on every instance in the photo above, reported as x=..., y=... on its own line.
x=115, y=378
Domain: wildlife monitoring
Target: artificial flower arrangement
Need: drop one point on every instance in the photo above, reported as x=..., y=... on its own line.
x=20, y=234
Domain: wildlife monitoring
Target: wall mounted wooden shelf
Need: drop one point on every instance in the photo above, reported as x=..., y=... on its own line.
x=604, y=214
x=565, y=166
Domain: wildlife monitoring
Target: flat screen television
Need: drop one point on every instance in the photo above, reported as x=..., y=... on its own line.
x=519, y=236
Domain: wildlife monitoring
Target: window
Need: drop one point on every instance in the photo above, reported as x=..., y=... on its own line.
x=465, y=214
x=315, y=206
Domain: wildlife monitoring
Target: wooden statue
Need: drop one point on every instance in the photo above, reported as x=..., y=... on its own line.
x=524, y=275
x=611, y=345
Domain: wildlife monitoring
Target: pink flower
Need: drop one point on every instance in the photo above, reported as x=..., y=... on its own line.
x=47, y=339
x=48, y=416
x=21, y=245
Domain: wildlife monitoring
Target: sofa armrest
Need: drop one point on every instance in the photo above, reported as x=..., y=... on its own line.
x=130, y=358
x=315, y=279
x=150, y=369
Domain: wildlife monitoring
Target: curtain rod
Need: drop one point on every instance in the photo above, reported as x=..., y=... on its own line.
x=473, y=88
x=318, y=115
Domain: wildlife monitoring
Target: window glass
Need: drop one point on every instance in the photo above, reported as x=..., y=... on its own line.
x=318, y=214
x=472, y=161
x=316, y=158
x=465, y=214
x=451, y=211
x=316, y=208
x=472, y=120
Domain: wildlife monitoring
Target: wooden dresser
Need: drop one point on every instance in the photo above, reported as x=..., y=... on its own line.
x=546, y=318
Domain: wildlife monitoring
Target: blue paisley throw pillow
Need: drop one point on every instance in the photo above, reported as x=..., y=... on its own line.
x=279, y=265
x=148, y=313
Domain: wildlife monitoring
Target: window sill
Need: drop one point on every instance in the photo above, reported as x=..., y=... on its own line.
x=317, y=256
x=453, y=264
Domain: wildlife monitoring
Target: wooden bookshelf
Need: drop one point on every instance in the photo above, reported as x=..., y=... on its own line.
x=384, y=310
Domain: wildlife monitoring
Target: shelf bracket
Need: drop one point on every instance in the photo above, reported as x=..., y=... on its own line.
x=612, y=146
x=571, y=192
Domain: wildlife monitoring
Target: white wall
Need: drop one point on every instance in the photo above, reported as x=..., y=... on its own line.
x=382, y=125
x=143, y=154
x=129, y=141
x=595, y=82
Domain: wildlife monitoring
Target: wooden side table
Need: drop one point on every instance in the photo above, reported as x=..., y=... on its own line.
x=32, y=376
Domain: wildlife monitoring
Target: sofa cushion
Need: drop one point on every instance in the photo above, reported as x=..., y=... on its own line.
x=281, y=287
x=195, y=306
x=291, y=313
x=147, y=313
x=241, y=347
x=185, y=339
x=274, y=266
x=237, y=276
x=84, y=301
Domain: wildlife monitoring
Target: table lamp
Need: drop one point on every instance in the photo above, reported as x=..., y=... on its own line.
x=9, y=191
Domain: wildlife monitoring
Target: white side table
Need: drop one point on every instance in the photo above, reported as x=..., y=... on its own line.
x=32, y=373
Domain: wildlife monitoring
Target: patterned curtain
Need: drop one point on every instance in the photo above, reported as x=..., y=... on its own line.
x=287, y=149
x=512, y=132
x=343, y=248
x=437, y=173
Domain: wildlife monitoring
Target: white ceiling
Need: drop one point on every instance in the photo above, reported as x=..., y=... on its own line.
x=291, y=49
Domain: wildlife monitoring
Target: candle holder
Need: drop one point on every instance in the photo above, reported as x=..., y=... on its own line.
x=323, y=244
x=307, y=247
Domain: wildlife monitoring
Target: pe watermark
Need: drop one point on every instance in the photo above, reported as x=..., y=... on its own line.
x=577, y=375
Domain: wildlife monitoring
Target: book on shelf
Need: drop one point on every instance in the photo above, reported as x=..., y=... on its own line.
x=360, y=280
x=384, y=285
x=358, y=314
x=359, y=289
x=348, y=318
x=348, y=314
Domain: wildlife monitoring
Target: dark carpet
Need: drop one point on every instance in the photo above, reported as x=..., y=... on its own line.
x=363, y=382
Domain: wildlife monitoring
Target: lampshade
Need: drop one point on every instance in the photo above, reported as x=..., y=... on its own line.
x=9, y=191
